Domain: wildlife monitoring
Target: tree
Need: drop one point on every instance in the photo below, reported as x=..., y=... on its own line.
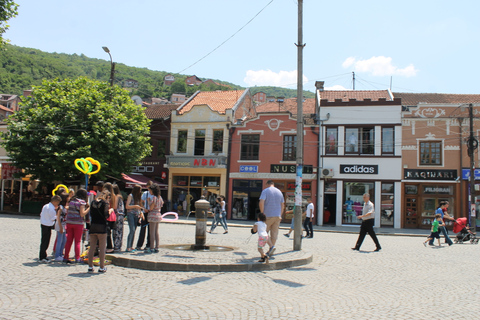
x=8, y=10
x=68, y=119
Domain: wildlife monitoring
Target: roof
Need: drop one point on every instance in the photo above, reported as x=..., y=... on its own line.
x=289, y=104
x=413, y=99
x=217, y=100
x=136, y=178
x=359, y=95
x=160, y=111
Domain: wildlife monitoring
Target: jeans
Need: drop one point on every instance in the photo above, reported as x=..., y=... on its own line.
x=308, y=226
x=60, y=244
x=445, y=234
x=132, y=226
x=216, y=221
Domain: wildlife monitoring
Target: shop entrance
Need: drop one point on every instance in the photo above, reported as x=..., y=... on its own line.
x=245, y=199
x=329, y=209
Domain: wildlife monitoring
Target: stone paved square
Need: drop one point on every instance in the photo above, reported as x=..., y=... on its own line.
x=403, y=281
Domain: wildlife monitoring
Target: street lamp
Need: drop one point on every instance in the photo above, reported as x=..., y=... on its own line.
x=112, y=65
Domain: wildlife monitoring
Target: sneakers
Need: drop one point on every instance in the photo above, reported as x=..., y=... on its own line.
x=59, y=259
x=262, y=260
x=287, y=235
x=44, y=260
x=225, y=232
x=90, y=269
x=425, y=244
x=148, y=250
x=102, y=270
x=67, y=261
x=271, y=251
x=155, y=250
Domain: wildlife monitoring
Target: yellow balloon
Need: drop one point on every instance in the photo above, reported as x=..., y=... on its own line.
x=58, y=187
x=95, y=163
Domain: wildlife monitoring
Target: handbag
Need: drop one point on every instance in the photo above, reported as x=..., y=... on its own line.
x=113, y=216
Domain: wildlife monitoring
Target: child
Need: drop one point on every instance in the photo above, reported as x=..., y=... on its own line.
x=263, y=238
x=60, y=227
x=47, y=222
x=434, y=233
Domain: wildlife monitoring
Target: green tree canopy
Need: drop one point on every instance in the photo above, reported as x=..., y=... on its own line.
x=8, y=10
x=68, y=119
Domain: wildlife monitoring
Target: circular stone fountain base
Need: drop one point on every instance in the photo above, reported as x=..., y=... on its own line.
x=193, y=247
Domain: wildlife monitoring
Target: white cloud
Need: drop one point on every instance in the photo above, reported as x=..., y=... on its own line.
x=270, y=78
x=379, y=66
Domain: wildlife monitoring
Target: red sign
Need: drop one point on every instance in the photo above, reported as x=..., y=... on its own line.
x=205, y=162
x=8, y=170
x=164, y=175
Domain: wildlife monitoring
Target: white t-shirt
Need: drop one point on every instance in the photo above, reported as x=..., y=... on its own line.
x=310, y=210
x=261, y=228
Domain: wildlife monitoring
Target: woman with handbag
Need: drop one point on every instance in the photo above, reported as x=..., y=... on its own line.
x=134, y=213
x=112, y=220
x=99, y=213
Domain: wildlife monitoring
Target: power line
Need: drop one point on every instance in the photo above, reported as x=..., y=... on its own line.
x=233, y=35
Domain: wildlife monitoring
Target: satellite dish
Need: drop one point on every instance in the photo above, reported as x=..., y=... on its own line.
x=137, y=100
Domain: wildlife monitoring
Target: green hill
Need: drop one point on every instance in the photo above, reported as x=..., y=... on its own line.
x=22, y=68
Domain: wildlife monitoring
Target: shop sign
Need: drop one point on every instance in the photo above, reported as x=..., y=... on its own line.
x=195, y=162
x=9, y=170
x=305, y=186
x=466, y=174
x=359, y=169
x=437, y=190
x=425, y=174
x=248, y=169
x=289, y=168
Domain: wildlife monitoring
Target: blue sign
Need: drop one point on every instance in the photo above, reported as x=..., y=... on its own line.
x=248, y=169
x=466, y=174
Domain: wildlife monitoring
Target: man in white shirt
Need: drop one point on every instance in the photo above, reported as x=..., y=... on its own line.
x=308, y=224
x=48, y=216
x=368, y=219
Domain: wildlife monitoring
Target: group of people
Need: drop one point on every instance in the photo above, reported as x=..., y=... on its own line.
x=219, y=215
x=103, y=211
x=438, y=225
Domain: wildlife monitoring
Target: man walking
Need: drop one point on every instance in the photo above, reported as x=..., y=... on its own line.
x=442, y=210
x=368, y=219
x=308, y=224
x=272, y=205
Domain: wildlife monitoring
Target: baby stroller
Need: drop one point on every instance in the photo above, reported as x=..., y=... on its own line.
x=463, y=232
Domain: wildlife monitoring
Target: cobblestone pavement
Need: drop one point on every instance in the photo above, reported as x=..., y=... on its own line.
x=403, y=281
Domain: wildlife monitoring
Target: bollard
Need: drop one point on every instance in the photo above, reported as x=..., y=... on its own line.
x=201, y=209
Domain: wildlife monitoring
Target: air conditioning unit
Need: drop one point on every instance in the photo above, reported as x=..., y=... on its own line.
x=326, y=173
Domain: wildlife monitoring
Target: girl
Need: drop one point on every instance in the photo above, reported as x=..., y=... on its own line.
x=75, y=219
x=118, y=231
x=111, y=224
x=133, y=214
x=261, y=227
x=60, y=227
x=223, y=214
x=155, y=204
x=99, y=213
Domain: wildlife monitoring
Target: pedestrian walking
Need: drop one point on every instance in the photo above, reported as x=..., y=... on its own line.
x=217, y=211
x=368, y=219
x=272, y=205
x=223, y=214
x=309, y=216
x=442, y=211
x=261, y=227
x=48, y=216
x=434, y=230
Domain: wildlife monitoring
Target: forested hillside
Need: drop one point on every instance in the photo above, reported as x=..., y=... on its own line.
x=21, y=68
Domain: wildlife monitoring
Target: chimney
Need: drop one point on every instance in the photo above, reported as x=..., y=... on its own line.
x=319, y=85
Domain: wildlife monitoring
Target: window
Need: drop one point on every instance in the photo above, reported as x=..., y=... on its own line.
x=353, y=200
x=387, y=209
x=430, y=153
x=359, y=140
x=331, y=141
x=250, y=147
x=182, y=141
x=388, y=141
x=217, y=145
x=289, y=148
x=161, y=145
x=199, y=147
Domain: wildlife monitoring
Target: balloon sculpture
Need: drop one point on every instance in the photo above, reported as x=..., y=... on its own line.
x=58, y=187
x=85, y=166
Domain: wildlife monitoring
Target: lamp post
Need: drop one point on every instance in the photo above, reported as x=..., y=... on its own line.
x=472, y=146
x=112, y=65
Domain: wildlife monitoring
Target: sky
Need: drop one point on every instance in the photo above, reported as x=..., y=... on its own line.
x=409, y=46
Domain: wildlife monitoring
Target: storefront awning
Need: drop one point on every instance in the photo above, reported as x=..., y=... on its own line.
x=137, y=178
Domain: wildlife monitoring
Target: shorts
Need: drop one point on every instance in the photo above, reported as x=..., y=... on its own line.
x=434, y=235
x=262, y=241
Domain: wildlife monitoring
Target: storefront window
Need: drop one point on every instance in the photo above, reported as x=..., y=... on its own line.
x=211, y=181
x=387, y=206
x=245, y=198
x=353, y=200
x=433, y=195
x=180, y=180
x=196, y=181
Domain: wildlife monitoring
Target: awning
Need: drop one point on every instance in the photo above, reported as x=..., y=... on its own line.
x=137, y=178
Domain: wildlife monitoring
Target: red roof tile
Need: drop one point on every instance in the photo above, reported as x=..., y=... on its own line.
x=217, y=100
x=160, y=111
x=413, y=99
x=359, y=95
x=289, y=104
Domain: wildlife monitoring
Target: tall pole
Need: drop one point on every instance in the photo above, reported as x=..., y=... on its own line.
x=472, y=145
x=112, y=66
x=297, y=235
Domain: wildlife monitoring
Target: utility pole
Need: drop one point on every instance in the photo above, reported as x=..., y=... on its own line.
x=297, y=235
x=353, y=80
x=472, y=146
